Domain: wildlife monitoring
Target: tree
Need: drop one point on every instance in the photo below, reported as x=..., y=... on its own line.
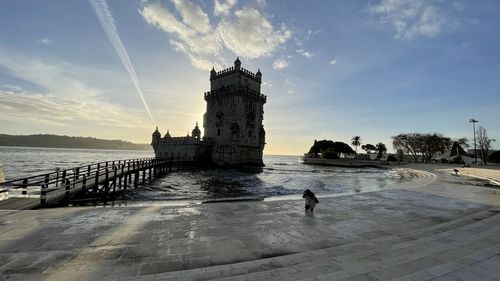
x=380, y=148
x=430, y=144
x=408, y=143
x=494, y=157
x=356, y=141
x=463, y=142
x=484, y=143
x=368, y=148
x=421, y=144
x=328, y=148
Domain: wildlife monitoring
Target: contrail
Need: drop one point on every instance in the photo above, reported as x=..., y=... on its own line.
x=108, y=24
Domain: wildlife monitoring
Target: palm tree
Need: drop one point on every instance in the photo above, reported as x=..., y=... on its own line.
x=381, y=148
x=356, y=141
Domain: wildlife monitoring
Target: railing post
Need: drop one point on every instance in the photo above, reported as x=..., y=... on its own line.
x=25, y=187
x=67, y=187
x=150, y=170
x=114, y=178
x=43, y=191
x=121, y=175
x=129, y=172
x=143, y=173
x=96, y=181
x=84, y=181
x=106, y=184
x=43, y=194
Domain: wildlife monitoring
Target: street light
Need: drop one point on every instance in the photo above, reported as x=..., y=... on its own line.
x=474, y=121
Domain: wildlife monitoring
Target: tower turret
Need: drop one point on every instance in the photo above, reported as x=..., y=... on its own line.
x=196, y=133
x=213, y=73
x=155, y=139
x=258, y=75
x=237, y=63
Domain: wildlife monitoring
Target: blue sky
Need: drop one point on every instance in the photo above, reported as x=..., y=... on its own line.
x=331, y=69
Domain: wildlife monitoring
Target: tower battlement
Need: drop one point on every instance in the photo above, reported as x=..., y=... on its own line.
x=232, y=89
x=232, y=70
x=235, y=76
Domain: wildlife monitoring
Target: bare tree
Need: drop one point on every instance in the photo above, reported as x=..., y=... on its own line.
x=421, y=144
x=407, y=143
x=484, y=143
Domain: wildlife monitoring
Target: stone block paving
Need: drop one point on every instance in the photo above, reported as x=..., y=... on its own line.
x=388, y=235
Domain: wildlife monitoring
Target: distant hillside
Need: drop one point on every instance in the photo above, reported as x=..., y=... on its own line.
x=69, y=142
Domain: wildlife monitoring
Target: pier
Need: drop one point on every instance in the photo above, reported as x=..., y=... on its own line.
x=90, y=183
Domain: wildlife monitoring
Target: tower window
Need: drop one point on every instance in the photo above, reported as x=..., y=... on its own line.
x=250, y=133
x=218, y=132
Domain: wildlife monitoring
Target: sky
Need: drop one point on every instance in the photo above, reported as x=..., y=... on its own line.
x=331, y=69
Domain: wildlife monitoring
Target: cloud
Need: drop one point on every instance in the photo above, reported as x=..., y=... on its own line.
x=108, y=24
x=411, y=18
x=12, y=87
x=305, y=54
x=196, y=45
x=245, y=32
x=193, y=15
x=223, y=7
x=251, y=34
x=62, y=98
x=45, y=40
x=333, y=62
x=280, y=64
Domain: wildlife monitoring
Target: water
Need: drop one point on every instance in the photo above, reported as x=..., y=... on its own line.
x=282, y=175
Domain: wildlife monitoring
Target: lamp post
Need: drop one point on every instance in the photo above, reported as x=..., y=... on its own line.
x=474, y=121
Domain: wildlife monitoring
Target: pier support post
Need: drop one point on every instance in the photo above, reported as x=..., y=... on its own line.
x=143, y=174
x=136, y=179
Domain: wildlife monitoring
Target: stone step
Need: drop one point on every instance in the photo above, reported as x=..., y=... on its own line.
x=331, y=261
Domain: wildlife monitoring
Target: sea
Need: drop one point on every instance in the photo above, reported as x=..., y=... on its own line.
x=282, y=177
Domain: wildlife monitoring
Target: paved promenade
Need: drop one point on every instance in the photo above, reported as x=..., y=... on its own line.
x=438, y=228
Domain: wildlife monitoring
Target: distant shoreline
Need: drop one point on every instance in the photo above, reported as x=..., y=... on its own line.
x=75, y=148
x=69, y=142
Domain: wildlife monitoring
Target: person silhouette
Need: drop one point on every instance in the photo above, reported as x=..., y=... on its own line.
x=311, y=200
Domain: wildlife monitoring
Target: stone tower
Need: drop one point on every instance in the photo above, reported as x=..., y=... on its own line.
x=233, y=118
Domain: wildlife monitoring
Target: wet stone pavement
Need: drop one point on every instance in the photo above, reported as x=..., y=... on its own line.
x=202, y=241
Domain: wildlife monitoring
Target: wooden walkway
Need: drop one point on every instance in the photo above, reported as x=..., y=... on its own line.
x=95, y=182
